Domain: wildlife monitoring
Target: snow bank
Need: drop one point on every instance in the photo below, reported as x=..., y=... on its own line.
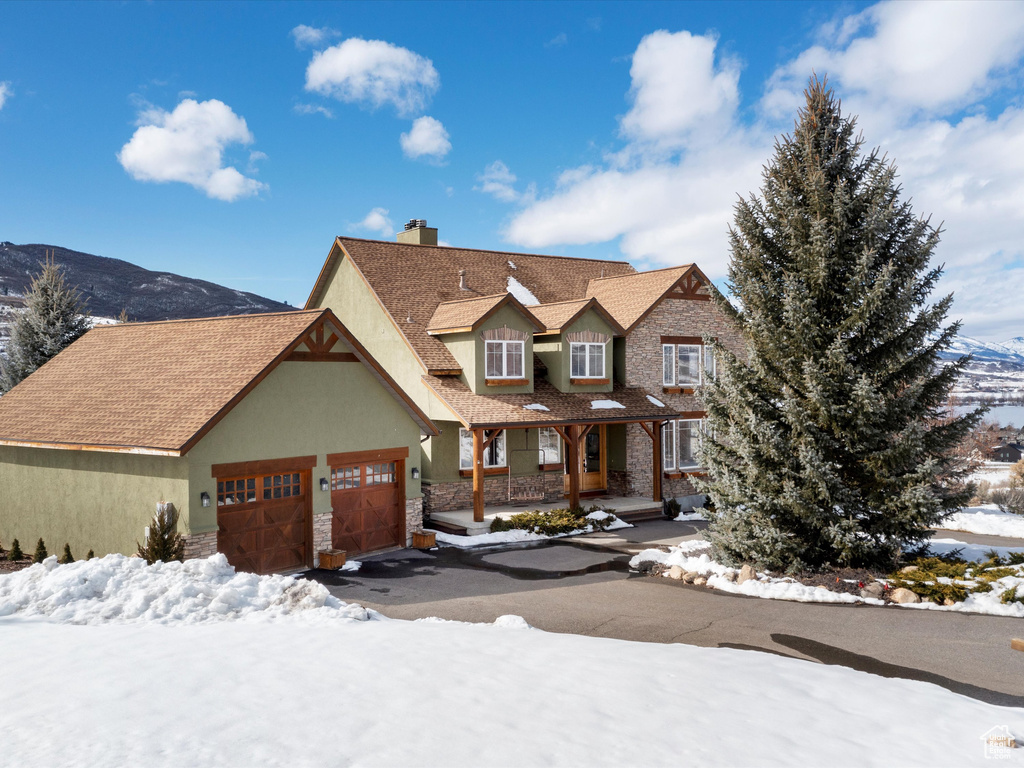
x=119, y=589
x=986, y=520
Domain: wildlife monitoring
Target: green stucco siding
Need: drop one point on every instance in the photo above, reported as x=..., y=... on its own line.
x=511, y=317
x=441, y=464
x=555, y=353
x=303, y=409
x=88, y=499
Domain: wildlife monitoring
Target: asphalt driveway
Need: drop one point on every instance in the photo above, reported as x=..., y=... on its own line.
x=583, y=585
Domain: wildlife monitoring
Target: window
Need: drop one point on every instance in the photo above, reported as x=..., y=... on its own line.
x=504, y=359
x=380, y=474
x=238, y=491
x=494, y=454
x=281, y=486
x=343, y=478
x=680, y=444
x=550, y=443
x=587, y=360
x=686, y=365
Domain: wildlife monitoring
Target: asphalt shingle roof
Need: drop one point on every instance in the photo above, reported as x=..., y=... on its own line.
x=628, y=297
x=411, y=280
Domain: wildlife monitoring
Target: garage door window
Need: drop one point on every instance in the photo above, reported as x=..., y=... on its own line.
x=281, y=486
x=239, y=490
x=344, y=477
x=380, y=474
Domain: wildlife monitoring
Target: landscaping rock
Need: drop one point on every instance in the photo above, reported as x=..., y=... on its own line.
x=909, y=569
x=730, y=576
x=747, y=573
x=675, y=572
x=875, y=589
x=700, y=581
x=904, y=595
x=949, y=601
x=690, y=576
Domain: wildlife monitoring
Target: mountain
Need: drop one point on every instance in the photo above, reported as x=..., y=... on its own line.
x=112, y=285
x=996, y=370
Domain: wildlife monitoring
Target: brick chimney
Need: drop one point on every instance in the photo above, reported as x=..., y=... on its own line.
x=418, y=233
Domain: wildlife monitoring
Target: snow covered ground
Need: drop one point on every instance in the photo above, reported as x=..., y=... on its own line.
x=988, y=520
x=192, y=665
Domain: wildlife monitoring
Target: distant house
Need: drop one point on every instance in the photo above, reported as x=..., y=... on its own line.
x=275, y=436
x=549, y=377
x=1009, y=452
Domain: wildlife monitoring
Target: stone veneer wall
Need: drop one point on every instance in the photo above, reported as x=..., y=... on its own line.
x=673, y=317
x=447, y=497
x=413, y=518
x=200, y=545
x=321, y=534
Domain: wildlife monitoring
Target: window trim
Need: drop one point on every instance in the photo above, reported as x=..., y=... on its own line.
x=670, y=431
x=466, y=434
x=504, y=343
x=557, y=463
x=587, y=373
x=706, y=353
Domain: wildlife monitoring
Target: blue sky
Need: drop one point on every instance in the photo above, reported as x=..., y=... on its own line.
x=233, y=141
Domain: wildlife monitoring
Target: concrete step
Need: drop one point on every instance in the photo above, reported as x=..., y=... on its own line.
x=443, y=527
x=641, y=515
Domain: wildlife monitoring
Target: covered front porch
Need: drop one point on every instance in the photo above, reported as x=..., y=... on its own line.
x=628, y=506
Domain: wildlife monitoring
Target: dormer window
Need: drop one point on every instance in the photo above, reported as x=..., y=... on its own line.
x=587, y=360
x=504, y=359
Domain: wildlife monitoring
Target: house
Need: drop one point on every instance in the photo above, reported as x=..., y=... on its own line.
x=548, y=377
x=275, y=436
x=1008, y=452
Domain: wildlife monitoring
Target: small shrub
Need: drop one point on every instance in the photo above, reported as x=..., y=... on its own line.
x=164, y=543
x=1011, y=596
x=550, y=523
x=1009, y=500
x=15, y=552
x=671, y=507
x=67, y=557
x=90, y=555
x=40, y=553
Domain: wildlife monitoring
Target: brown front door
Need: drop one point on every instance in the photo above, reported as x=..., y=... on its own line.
x=262, y=521
x=368, y=506
x=593, y=461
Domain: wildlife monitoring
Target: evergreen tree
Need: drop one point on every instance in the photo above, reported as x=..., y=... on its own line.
x=67, y=557
x=828, y=444
x=54, y=317
x=41, y=553
x=164, y=542
x=14, y=553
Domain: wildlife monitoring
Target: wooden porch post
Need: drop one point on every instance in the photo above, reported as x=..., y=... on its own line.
x=573, y=456
x=656, y=462
x=478, y=475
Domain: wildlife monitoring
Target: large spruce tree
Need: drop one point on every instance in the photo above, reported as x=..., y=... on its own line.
x=828, y=444
x=54, y=317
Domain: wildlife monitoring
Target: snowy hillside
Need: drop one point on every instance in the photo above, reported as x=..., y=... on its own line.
x=995, y=373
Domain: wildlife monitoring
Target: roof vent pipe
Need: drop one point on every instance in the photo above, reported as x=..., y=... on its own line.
x=462, y=280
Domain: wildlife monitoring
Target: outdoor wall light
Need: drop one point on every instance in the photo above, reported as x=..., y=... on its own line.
x=324, y=485
x=204, y=498
x=415, y=473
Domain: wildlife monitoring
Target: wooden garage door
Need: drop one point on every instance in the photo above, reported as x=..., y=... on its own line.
x=368, y=506
x=262, y=521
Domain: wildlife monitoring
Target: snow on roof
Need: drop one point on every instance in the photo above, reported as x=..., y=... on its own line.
x=536, y=407
x=521, y=292
x=596, y=405
x=656, y=401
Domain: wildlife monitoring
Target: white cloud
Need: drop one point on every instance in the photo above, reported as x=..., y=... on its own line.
x=916, y=74
x=557, y=41
x=499, y=182
x=427, y=137
x=377, y=222
x=373, y=73
x=5, y=93
x=187, y=145
x=677, y=88
x=310, y=37
x=313, y=109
